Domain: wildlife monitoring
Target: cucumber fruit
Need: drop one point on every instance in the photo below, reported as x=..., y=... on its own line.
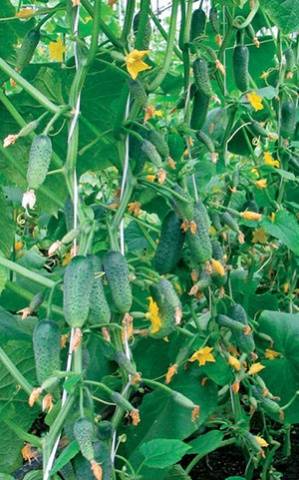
x=244, y=342
x=117, y=273
x=199, y=242
x=170, y=245
x=84, y=434
x=170, y=308
x=27, y=49
x=198, y=24
x=240, y=67
x=46, y=347
x=39, y=161
x=199, y=110
x=99, y=312
x=201, y=76
x=287, y=118
x=145, y=39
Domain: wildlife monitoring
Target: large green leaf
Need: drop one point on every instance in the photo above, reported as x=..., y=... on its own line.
x=206, y=443
x=282, y=374
x=283, y=13
x=285, y=228
x=163, y=452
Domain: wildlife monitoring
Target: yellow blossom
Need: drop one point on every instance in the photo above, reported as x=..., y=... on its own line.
x=255, y=100
x=269, y=160
x=259, y=236
x=172, y=370
x=151, y=112
x=134, y=62
x=134, y=208
x=56, y=50
x=97, y=470
x=255, y=172
x=271, y=354
x=248, y=215
x=256, y=368
x=29, y=453
x=151, y=178
x=234, y=362
x=25, y=13
x=272, y=217
x=217, y=267
x=153, y=315
x=18, y=246
x=264, y=75
x=262, y=183
x=203, y=355
x=261, y=441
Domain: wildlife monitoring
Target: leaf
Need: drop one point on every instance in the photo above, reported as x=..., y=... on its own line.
x=283, y=13
x=206, y=443
x=285, y=228
x=7, y=227
x=282, y=374
x=177, y=473
x=67, y=454
x=3, y=476
x=235, y=478
x=162, y=452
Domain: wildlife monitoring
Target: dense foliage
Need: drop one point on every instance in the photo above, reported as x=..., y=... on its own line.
x=149, y=236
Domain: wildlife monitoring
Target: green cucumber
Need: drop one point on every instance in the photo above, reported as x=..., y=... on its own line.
x=117, y=273
x=287, y=118
x=290, y=59
x=199, y=110
x=214, y=19
x=185, y=210
x=230, y=222
x=240, y=67
x=145, y=39
x=46, y=347
x=257, y=129
x=199, y=242
x=269, y=406
x=39, y=161
x=77, y=287
x=138, y=92
x=206, y=140
x=201, y=76
x=198, y=24
x=27, y=49
x=216, y=220
x=217, y=250
x=102, y=457
x=170, y=308
x=244, y=342
x=170, y=245
x=158, y=140
x=99, y=312
x=176, y=146
x=152, y=153
x=84, y=434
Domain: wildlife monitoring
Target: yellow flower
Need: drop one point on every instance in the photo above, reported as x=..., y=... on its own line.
x=135, y=64
x=172, y=370
x=234, y=362
x=25, y=13
x=259, y=236
x=255, y=172
x=261, y=441
x=151, y=178
x=18, y=245
x=264, y=75
x=255, y=100
x=203, y=355
x=272, y=217
x=56, y=50
x=134, y=208
x=153, y=315
x=271, y=354
x=262, y=183
x=217, y=267
x=248, y=215
x=255, y=368
x=269, y=160
x=151, y=112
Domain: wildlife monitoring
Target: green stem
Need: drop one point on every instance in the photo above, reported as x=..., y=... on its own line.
x=169, y=49
x=15, y=373
x=23, y=435
x=249, y=19
x=27, y=295
x=164, y=33
x=142, y=21
x=35, y=277
x=30, y=89
x=128, y=21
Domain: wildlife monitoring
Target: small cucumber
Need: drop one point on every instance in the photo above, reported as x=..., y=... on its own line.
x=240, y=67
x=230, y=222
x=244, y=342
x=199, y=110
x=78, y=283
x=152, y=153
x=199, y=242
x=176, y=146
x=158, y=140
x=39, y=161
x=46, y=347
x=99, y=312
x=145, y=39
x=217, y=250
x=27, y=49
x=170, y=245
x=170, y=308
x=290, y=59
x=214, y=19
x=117, y=273
x=287, y=118
x=102, y=457
x=201, y=76
x=206, y=140
x=198, y=24
x=184, y=210
x=84, y=434
x=257, y=129
x=138, y=92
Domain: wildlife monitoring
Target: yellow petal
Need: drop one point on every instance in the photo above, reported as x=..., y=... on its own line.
x=248, y=215
x=153, y=315
x=255, y=368
x=255, y=100
x=261, y=441
x=203, y=355
x=56, y=50
x=271, y=354
x=259, y=236
x=269, y=160
x=134, y=62
x=234, y=362
x=218, y=267
x=262, y=183
x=25, y=13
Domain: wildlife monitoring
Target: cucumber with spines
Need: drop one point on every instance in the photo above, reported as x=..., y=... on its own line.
x=137, y=92
x=170, y=308
x=199, y=242
x=202, y=77
x=46, y=348
x=198, y=24
x=287, y=118
x=39, y=161
x=170, y=244
x=84, y=433
x=214, y=19
x=99, y=311
x=27, y=49
x=185, y=210
x=240, y=67
x=151, y=152
x=200, y=109
x=244, y=342
x=158, y=140
x=217, y=250
x=230, y=222
x=117, y=274
x=144, y=40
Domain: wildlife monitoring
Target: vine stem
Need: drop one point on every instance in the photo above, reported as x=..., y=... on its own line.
x=35, y=277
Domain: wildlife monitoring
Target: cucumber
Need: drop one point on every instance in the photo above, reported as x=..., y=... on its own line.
x=214, y=19
x=230, y=222
x=198, y=24
x=138, y=92
x=84, y=434
x=144, y=42
x=152, y=153
x=240, y=67
x=244, y=342
x=27, y=49
x=170, y=245
x=102, y=457
x=216, y=220
x=158, y=140
x=46, y=348
x=176, y=146
x=206, y=141
x=117, y=273
x=170, y=308
x=39, y=161
x=199, y=242
x=287, y=118
x=201, y=76
x=290, y=59
x=268, y=405
x=78, y=282
x=199, y=110
x=203, y=212
x=184, y=210
x=257, y=129
x=217, y=250
x=99, y=312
